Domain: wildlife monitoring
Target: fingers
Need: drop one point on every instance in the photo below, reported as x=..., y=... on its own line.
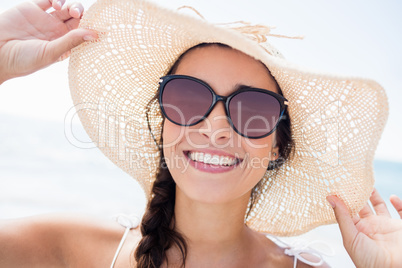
x=379, y=205
x=366, y=211
x=72, y=24
x=57, y=4
x=43, y=4
x=60, y=47
x=62, y=11
x=346, y=224
x=46, y=4
x=397, y=203
x=72, y=10
x=75, y=10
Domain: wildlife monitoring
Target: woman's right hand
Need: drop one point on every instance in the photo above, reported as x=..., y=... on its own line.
x=31, y=38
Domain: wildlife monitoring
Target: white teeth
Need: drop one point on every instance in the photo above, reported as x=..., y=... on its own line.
x=212, y=159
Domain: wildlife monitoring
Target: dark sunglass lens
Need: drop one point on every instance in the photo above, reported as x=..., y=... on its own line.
x=254, y=113
x=185, y=101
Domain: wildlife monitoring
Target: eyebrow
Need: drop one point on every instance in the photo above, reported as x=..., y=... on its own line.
x=238, y=87
x=242, y=86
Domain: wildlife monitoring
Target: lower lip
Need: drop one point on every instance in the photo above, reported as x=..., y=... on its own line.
x=208, y=167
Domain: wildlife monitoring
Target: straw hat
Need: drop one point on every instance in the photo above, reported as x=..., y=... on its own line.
x=336, y=121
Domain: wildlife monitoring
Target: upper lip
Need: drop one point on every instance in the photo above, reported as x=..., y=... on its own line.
x=215, y=152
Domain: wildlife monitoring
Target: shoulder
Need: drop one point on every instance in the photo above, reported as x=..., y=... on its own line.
x=68, y=239
x=94, y=241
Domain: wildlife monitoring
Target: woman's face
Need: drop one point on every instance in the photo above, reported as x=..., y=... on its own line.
x=185, y=148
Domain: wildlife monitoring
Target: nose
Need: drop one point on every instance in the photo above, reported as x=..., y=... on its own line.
x=216, y=126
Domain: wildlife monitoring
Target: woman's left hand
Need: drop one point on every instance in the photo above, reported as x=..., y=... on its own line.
x=372, y=238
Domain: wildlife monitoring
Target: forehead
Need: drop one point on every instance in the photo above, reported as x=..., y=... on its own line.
x=224, y=69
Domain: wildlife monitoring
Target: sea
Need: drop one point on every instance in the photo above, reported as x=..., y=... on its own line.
x=43, y=169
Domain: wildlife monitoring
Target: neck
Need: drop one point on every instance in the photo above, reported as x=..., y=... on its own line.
x=211, y=229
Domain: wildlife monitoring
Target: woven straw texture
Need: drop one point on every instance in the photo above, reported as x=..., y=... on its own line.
x=336, y=121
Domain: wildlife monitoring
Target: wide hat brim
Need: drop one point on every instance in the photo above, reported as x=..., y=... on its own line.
x=336, y=121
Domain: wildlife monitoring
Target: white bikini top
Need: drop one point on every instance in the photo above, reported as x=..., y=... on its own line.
x=295, y=249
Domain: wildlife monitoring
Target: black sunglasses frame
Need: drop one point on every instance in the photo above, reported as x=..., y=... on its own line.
x=226, y=99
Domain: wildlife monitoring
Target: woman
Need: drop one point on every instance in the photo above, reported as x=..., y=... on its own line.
x=204, y=222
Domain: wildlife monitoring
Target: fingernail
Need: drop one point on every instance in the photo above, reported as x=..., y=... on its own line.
x=88, y=38
x=331, y=201
x=58, y=3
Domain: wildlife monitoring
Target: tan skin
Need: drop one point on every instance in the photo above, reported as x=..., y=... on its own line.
x=34, y=39
x=210, y=207
x=371, y=238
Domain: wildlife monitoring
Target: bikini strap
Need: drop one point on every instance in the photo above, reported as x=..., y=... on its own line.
x=299, y=246
x=129, y=222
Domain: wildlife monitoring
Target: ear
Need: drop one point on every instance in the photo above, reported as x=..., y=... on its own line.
x=274, y=149
x=274, y=153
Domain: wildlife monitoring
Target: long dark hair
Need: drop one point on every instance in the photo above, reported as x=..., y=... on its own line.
x=158, y=226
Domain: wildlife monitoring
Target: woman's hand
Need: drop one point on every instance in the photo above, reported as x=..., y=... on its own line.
x=372, y=239
x=31, y=38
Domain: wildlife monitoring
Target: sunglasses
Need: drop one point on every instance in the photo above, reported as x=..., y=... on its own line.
x=252, y=112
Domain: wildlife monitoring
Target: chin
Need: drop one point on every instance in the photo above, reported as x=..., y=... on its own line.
x=209, y=192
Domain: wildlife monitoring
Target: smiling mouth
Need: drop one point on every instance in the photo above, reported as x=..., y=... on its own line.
x=212, y=159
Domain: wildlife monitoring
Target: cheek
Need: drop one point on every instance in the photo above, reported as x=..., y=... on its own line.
x=172, y=134
x=259, y=148
x=259, y=152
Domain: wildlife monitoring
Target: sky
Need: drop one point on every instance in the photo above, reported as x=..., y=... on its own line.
x=354, y=38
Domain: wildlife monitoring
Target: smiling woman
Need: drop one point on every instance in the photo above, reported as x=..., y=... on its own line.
x=214, y=167
x=213, y=139
x=229, y=141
